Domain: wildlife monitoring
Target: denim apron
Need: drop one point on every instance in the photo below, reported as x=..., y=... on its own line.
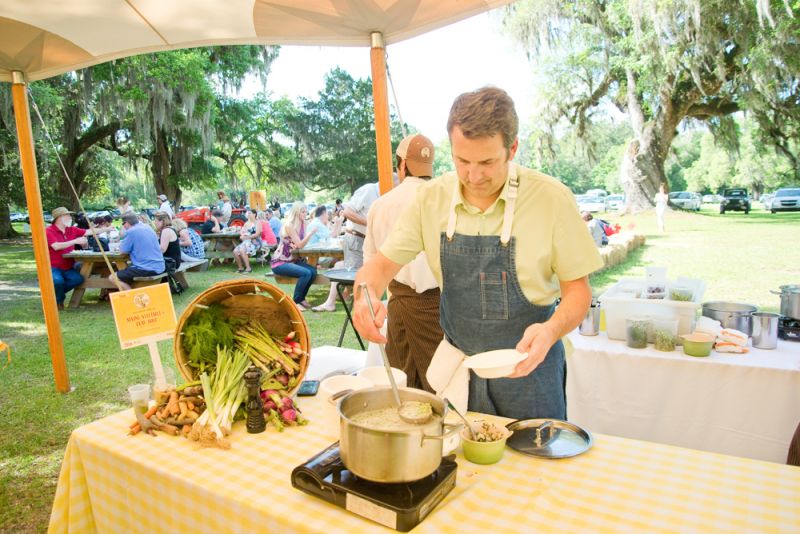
x=483, y=308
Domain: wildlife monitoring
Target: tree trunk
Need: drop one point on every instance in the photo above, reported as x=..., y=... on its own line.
x=641, y=172
x=642, y=168
x=162, y=171
x=6, y=230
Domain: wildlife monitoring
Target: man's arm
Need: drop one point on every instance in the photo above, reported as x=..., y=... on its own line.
x=576, y=297
x=355, y=217
x=376, y=273
x=60, y=245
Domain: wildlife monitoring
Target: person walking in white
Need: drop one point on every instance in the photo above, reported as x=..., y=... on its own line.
x=165, y=207
x=660, y=200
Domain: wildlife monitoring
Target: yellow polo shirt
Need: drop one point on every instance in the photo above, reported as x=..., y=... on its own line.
x=552, y=240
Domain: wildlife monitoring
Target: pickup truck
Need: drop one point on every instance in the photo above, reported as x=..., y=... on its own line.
x=735, y=200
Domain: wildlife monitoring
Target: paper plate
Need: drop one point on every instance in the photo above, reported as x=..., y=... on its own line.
x=495, y=363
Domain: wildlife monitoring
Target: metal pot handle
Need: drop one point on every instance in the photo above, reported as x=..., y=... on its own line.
x=333, y=399
x=776, y=292
x=449, y=431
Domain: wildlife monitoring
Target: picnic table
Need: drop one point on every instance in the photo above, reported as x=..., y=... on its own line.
x=313, y=254
x=111, y=482
x=221, y=245
x=94, y=271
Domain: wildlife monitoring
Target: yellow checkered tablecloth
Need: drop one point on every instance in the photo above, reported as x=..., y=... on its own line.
x=111, y=482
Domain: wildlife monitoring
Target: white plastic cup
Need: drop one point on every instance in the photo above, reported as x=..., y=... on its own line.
x=140, y=397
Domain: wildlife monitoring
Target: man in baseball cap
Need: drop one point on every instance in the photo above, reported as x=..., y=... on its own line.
x=413, y=329
x=165, y=207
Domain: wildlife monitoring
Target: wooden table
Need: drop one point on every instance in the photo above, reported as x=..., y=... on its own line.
x=221, y=245
x=94, y=271
x=313, y=254
x=111, y=482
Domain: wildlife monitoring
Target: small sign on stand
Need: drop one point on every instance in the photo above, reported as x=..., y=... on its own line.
x=144, y=316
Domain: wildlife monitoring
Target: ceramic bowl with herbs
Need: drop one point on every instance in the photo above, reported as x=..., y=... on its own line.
x=487, y=444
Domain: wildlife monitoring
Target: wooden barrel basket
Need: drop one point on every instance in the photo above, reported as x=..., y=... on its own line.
x=254, y=300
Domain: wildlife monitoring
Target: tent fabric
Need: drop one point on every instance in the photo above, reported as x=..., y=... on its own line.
x=44, y=38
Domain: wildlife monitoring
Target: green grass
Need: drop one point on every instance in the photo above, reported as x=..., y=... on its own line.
x=741, y=257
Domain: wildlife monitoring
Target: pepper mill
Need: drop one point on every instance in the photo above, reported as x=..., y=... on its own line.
x=256, y=422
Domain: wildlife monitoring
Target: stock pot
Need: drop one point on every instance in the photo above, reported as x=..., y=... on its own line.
x=790, y=300
x=391, y=456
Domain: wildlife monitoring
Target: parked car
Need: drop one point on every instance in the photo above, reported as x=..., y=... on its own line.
x=18, y=217
x=712, y=199
x=590, y=204
x=602, y=193
x=766, y=200
x=735, y=200
x=786, y=199
x=685, y=200
x=615, y=202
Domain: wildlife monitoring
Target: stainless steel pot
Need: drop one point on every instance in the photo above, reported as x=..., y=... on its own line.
x=790, y=301
x=731, y=314
x=391, y=456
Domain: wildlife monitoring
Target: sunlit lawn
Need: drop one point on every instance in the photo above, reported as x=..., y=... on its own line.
x=741, y=257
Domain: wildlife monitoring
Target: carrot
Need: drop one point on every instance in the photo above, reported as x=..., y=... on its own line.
x=153, y=409
x=172, y=404
x=183, y=408
x=135, y=429
x=186, y=429
x=190, y=405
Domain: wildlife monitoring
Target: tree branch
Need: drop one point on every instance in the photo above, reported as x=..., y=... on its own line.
x=715, y=107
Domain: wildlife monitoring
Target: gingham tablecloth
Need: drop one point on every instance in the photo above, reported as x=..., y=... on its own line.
x=111, y=482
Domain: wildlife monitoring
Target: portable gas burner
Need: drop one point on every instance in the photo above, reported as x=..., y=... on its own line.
x=398, y=506
x=789, y=329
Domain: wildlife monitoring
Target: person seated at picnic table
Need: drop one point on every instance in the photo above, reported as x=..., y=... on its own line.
x=268, y=236
x=274, y=218
x=141, y=243
x=251, y=243
x=192, y=246
x=168, y=238
x=213, y=224
x=124, y=205
x=62, y=238
x=324, y=230
x=595, y=228
x=285, y=263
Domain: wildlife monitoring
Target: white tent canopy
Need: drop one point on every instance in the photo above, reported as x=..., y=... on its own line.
x=43, y=38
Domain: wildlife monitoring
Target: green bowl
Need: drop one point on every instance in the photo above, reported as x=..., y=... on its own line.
x=697, y=345
x=482, y=452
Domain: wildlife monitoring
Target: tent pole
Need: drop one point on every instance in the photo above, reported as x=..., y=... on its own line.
x=380, y=97
x=32, y=194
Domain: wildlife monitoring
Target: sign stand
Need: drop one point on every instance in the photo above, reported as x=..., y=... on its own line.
x=155, y=358
x=144, y=316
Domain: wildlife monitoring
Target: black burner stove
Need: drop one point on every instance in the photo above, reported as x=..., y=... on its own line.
x=789, y=329
x=398, y=506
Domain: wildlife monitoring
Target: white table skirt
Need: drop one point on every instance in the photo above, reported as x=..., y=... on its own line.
x=739, y=404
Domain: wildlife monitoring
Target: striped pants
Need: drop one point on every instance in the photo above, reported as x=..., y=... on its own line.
x=413, y=332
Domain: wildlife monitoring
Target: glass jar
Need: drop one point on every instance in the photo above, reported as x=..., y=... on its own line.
x=665, y=334
x=637, y=330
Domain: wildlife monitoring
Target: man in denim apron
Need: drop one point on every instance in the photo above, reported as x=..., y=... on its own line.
x=504, y=243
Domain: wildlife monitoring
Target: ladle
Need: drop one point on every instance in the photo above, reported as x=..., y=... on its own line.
x=467, y=424
x=412, y=412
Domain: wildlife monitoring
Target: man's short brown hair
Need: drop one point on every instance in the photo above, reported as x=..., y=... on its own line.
x=483, y=113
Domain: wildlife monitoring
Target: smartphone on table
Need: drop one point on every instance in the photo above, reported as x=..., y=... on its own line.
x=308, y=388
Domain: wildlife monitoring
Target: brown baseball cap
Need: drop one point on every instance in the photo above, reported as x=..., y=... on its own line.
x=417, y=151
x=58, y=212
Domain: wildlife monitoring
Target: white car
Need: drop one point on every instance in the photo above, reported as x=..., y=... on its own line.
x=685, y=200
x=615, y=202
x=786, y=199
x=590, y=203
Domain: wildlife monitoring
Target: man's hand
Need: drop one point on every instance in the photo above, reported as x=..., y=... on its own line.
x=536, y=342
x=362, y=319
x=82, y=241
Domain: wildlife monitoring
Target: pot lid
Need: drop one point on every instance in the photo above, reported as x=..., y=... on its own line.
x=548, y=438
